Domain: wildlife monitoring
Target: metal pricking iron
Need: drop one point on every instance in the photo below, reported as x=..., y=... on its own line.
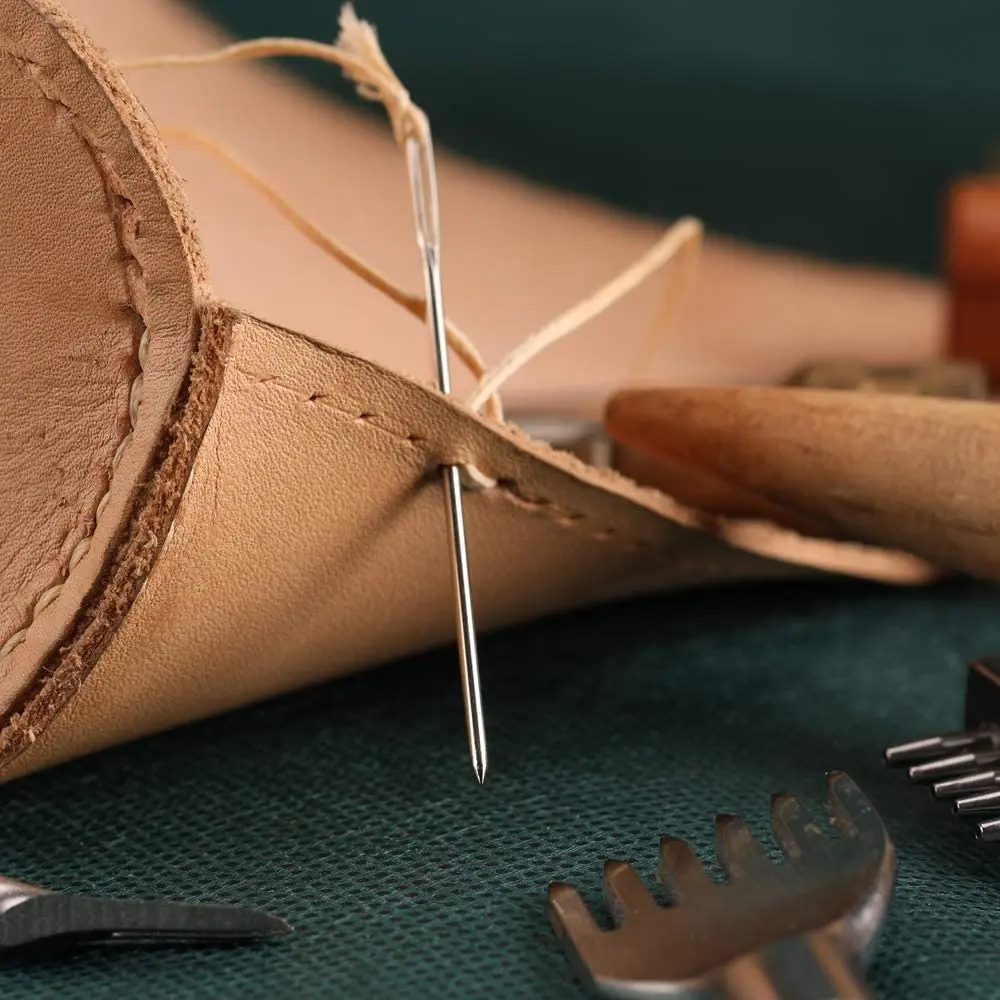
x=801, y=930
x=964, y=767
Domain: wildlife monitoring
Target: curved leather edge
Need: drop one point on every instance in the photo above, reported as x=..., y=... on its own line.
x=172, y=281
x=63, y=671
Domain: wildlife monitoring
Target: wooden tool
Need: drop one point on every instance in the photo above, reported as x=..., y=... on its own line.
x=908, y=472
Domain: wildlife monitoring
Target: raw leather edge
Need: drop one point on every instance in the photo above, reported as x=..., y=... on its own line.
x=62, y=674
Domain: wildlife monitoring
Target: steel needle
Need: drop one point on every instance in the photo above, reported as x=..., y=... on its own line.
x=423, y=182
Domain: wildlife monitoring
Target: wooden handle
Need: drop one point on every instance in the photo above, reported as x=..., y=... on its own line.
x=914, y=473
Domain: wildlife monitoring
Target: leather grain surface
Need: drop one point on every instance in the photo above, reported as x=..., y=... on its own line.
x=311, y=542
x=71, y=337
x=96, y=249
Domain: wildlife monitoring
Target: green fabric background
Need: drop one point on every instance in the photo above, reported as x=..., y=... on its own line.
x=832, y=126
x=352, y=810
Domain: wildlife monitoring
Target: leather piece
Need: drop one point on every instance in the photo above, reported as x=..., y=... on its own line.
x=915, y=473
x=310, y=542
x=97, y=246
x=303, y=536
x=71, y=333
x=972, y=255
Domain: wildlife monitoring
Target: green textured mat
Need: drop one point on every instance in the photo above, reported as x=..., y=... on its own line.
x=352, y=811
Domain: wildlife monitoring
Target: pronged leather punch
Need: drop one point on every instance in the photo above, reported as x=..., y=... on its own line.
x=964, y=767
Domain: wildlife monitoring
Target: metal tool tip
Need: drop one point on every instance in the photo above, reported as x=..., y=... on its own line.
x=221, y=923
x=479, y=766
x=943, y=767
x=953, y=787
x=914, y=750
x=981, y=802
x=272, y=926
x=988, y=831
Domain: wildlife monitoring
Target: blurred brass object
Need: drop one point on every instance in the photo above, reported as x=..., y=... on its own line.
x=800, y=930
x=972, y=263
x=957, y=379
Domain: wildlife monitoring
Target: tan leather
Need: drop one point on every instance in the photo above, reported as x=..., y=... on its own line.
x=913, y=472
x=275, y=518
x=515, y=254
x=311, y=542
x=97, y=247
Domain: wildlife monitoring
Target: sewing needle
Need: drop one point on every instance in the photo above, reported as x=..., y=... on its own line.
x=423, y=182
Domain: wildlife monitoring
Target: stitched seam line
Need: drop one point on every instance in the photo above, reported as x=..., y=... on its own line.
x=126, y=222
x=505, y=487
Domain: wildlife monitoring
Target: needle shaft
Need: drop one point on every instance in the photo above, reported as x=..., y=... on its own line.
x=423, y=181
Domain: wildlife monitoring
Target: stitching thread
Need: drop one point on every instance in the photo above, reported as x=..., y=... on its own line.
x=123, y=212
x=505, y=487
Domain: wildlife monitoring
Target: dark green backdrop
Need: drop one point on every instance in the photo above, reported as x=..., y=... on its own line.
x=831, y=125
x=352, y=809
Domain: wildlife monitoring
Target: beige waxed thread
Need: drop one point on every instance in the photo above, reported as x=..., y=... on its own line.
x=36, y=73
x=359, y=55
x=506, y=487
x=474, y=479
x=670, y=307
x=416, y=305
x=685, y=234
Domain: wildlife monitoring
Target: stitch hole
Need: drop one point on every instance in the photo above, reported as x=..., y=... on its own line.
x=313, y=397
x=416, y=439
x=363, y=417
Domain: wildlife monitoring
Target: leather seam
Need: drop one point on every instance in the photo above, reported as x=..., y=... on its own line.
x=506, y=486
x=124, y=217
